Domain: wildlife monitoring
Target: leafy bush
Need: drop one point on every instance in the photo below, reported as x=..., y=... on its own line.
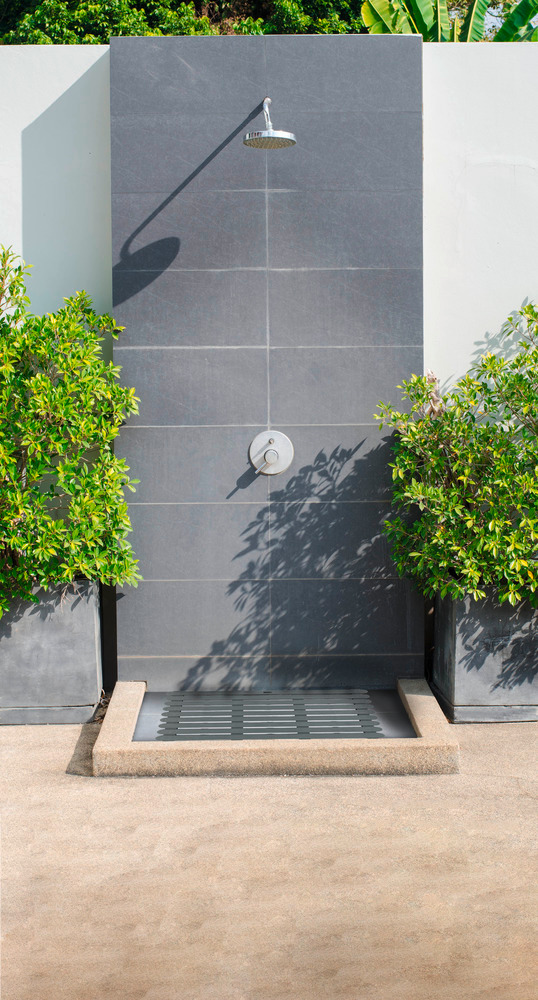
x=11, y=11
x=69, y=22
x=465, y=475
x=291, y=17
x=83, y=21
x=55, y=22
x=62, y=508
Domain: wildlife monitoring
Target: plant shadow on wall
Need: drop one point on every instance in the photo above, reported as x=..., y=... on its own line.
x=498, y=343
x=332, y=580
x=515, y=638
x=137, y=269
x=50, y=601
x=492, y=342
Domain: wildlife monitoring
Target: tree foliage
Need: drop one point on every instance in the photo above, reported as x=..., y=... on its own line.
x=465, y=476
x=34, y=22
x=62, y=509
x=442, y=21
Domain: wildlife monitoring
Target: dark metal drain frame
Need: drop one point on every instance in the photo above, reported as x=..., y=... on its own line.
x=297, y=715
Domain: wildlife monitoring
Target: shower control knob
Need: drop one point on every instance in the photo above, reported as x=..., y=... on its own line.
x=270, y=457
x=271, y=452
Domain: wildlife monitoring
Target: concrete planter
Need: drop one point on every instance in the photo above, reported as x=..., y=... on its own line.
x=50, y=657
x=486, y=660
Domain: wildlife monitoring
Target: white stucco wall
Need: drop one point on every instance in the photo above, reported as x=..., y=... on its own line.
x=480, y=183
x=480, y=195
x=55, y=168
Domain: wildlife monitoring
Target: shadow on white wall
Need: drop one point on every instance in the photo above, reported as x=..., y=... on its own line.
x=66, y=228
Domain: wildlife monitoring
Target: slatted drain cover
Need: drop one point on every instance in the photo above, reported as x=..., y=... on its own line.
x=282, y=715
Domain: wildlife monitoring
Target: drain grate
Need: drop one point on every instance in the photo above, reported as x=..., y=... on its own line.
x=279, y=715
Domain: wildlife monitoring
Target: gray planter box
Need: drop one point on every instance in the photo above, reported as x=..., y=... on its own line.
x=50, y=657
x=486, y=660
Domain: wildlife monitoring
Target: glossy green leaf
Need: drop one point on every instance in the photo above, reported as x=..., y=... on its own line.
x=440, y=31
x=62, y=505
x=383, y=17
x=472, y=29
x=517, y=25
x=421, y=14
x=465, y=478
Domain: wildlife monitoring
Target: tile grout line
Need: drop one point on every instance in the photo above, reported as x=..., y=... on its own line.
x=267, y=338
x=260, y=347
x=260, y=656
x=174, y=116
x=369, y=192
x=271, y=579
x=247, y=503
x=284, y=423
x=268, y=377
x=268, y=344
x=210, y=270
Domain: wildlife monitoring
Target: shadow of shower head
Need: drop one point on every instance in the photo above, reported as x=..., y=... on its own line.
x=269, y=138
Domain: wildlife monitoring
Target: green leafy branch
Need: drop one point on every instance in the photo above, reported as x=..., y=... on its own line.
x=465, y=475
x=62, y=508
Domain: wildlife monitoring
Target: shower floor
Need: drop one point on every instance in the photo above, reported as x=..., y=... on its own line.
x=174, y=716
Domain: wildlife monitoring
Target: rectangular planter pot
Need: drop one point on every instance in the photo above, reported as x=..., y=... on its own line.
x=50, y=657
x=486, y=660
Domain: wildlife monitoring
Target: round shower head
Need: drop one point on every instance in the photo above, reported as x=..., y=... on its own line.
x=269, y=139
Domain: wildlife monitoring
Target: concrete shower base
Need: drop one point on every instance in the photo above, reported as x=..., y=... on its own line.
x=435, y=749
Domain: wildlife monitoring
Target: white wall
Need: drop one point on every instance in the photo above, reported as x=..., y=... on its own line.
x=55, y=168
x=480, y=195
x=480, y=183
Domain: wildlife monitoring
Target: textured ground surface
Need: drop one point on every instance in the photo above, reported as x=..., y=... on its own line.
x=373, y=888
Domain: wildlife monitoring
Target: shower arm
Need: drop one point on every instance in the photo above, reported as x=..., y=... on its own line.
x=268, y=122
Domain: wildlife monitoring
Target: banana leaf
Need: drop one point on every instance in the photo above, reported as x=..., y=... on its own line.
x=421, y=13
x=473, y=26
x=441, y=27
x=516, y=27
x=527, y=34
x=383, y=17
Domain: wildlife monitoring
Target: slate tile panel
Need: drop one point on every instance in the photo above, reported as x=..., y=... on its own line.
x=192, y=386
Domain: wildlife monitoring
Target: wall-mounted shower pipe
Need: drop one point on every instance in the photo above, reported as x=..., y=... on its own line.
x=266, y=102
x=270, y=138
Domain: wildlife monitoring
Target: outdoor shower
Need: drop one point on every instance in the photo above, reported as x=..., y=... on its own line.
x=270, y=455
x=269, y=138
x=272, y=300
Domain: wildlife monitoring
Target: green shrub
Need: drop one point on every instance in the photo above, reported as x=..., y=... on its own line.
x=54, y=22
x=314, y=17
x=465, y=475
x=70, y=22
x=62, y=510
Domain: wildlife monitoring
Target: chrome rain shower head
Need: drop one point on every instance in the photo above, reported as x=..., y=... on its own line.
x=269, y=138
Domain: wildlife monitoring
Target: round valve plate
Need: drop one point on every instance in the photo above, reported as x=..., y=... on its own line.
x=271, y=441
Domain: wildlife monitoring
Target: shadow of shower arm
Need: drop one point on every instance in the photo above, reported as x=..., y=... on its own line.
x=125, y=250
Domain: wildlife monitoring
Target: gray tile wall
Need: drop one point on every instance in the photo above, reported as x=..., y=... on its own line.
x=278, y=289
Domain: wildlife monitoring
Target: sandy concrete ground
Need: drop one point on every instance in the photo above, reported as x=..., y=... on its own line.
x=369, y=888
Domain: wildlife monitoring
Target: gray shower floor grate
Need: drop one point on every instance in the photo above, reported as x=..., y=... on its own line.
x=277, y=715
